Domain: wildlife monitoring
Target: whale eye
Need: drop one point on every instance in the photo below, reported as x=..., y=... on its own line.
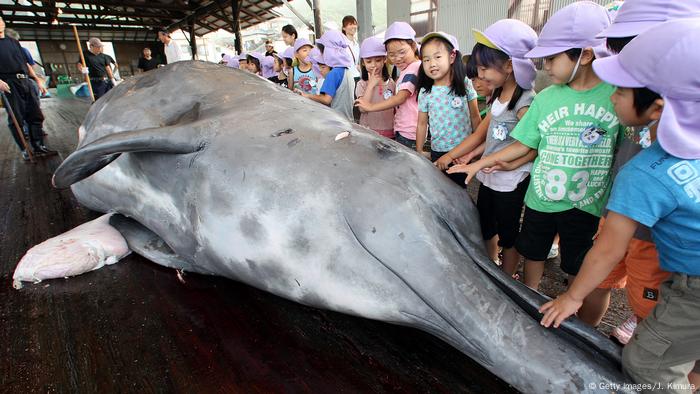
x=282, y=132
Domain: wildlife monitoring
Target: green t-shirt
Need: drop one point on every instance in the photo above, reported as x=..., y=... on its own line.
x=575, y=134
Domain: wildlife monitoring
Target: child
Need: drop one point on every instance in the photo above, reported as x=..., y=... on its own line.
x=301, y=78
x=659, y=188
x=243, y=61
x=447, y=99
x=573, y=127
x=639, y=272
x=500, y=58
x=338, y=84
x=400, y=43
x=277, y=73
x=255, y=60
x=377, y=85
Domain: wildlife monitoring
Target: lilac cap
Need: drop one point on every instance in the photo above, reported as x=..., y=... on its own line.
x=613, y=8
x=288, y=53
x=316, y=58
x=574, y=26
x=259, y=56
x=637, y=16
x=233, y=62
x=671, y=73
x=268, y=67
x=372, y=47
x=447, y=37
x=514, y=38
x=399, y=31
x=300, y=42
x=336, y=51
x=243, y=56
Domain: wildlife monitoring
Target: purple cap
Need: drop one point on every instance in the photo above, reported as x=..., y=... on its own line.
x=671, y=73
x=288, y=53
x=372, y=47
x=268, y=67
x=336, y=51
x=516, y=39
x=258, y=56
x=574, y=26
x=613, y=8
x=233, y=62
x=300, y=42
x=316, y=58
x=441, y=34
x=637, y=16
x=399, y=31
x=243, y=56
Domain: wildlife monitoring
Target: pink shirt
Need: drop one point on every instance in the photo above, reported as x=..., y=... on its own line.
x=380, y=120
x=406, y=118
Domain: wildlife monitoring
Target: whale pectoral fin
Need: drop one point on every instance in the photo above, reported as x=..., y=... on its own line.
x=96, y=155
x=147, y=243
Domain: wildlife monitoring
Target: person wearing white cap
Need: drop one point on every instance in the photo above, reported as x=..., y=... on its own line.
x=97, y=68
x=573, y=126
x=659, y=188
x=500, y=60
x=446, y=99
x=376, y=85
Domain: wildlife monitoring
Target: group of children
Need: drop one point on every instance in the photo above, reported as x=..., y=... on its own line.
x=624, y=92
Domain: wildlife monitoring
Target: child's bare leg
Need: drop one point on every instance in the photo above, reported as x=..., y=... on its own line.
x=532, y=273
x=511, y=258
x=594, y=305
x=492, y=248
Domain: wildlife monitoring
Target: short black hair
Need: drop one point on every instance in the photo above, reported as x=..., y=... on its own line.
x=573, y=53
x=470, y=68
x=457, y=83
x=291, y=30
x=616, y=44
x=643, y=99
x=489, y=57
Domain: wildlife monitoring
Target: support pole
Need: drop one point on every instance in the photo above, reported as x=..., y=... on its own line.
x=193, y=41
x=82, y=60
x=20, y=130
x=364, y=19
x=318, y=22
x=236, y=13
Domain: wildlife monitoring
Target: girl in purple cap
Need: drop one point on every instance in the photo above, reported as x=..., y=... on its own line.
x=402, y=50
x=376, y=84
x=658, y=188
x=255, y=63
x=446, y=99
x=573, y=127
x=499, y=56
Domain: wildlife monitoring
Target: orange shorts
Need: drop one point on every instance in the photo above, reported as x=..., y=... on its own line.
x=639, y=273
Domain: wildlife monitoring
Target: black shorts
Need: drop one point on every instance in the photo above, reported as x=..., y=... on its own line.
x=499, y=212
x=576, y=229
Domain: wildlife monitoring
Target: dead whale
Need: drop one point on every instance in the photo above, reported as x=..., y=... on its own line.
x=220, y=172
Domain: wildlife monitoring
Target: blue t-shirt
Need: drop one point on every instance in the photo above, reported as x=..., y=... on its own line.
x=662, y=192
x=28, y=55
x=333, y=80
x=448, y=115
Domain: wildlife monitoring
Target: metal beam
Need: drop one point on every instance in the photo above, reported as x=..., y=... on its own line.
x=317, y=18
x=81, y=21
x=236, y=12
x=364, y=19
x=193, y=41
x=133, y=4
x=78, y=11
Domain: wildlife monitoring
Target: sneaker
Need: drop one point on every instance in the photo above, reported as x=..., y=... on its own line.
x=623, y=332
x=553, y=252
x=25, y=155
x=43, y=150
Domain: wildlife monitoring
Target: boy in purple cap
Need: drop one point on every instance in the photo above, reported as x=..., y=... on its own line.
x=639, y=272
x=301, y=77
x=338, y=84
x=402, y=50
x=659, y=188
x=573, y=126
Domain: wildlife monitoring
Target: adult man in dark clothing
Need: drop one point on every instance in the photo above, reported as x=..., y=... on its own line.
x=146, y=62
x=14, y=83
x=98, y=68
x=269, y=48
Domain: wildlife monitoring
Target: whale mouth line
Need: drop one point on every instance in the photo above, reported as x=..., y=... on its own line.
x=478, y=352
